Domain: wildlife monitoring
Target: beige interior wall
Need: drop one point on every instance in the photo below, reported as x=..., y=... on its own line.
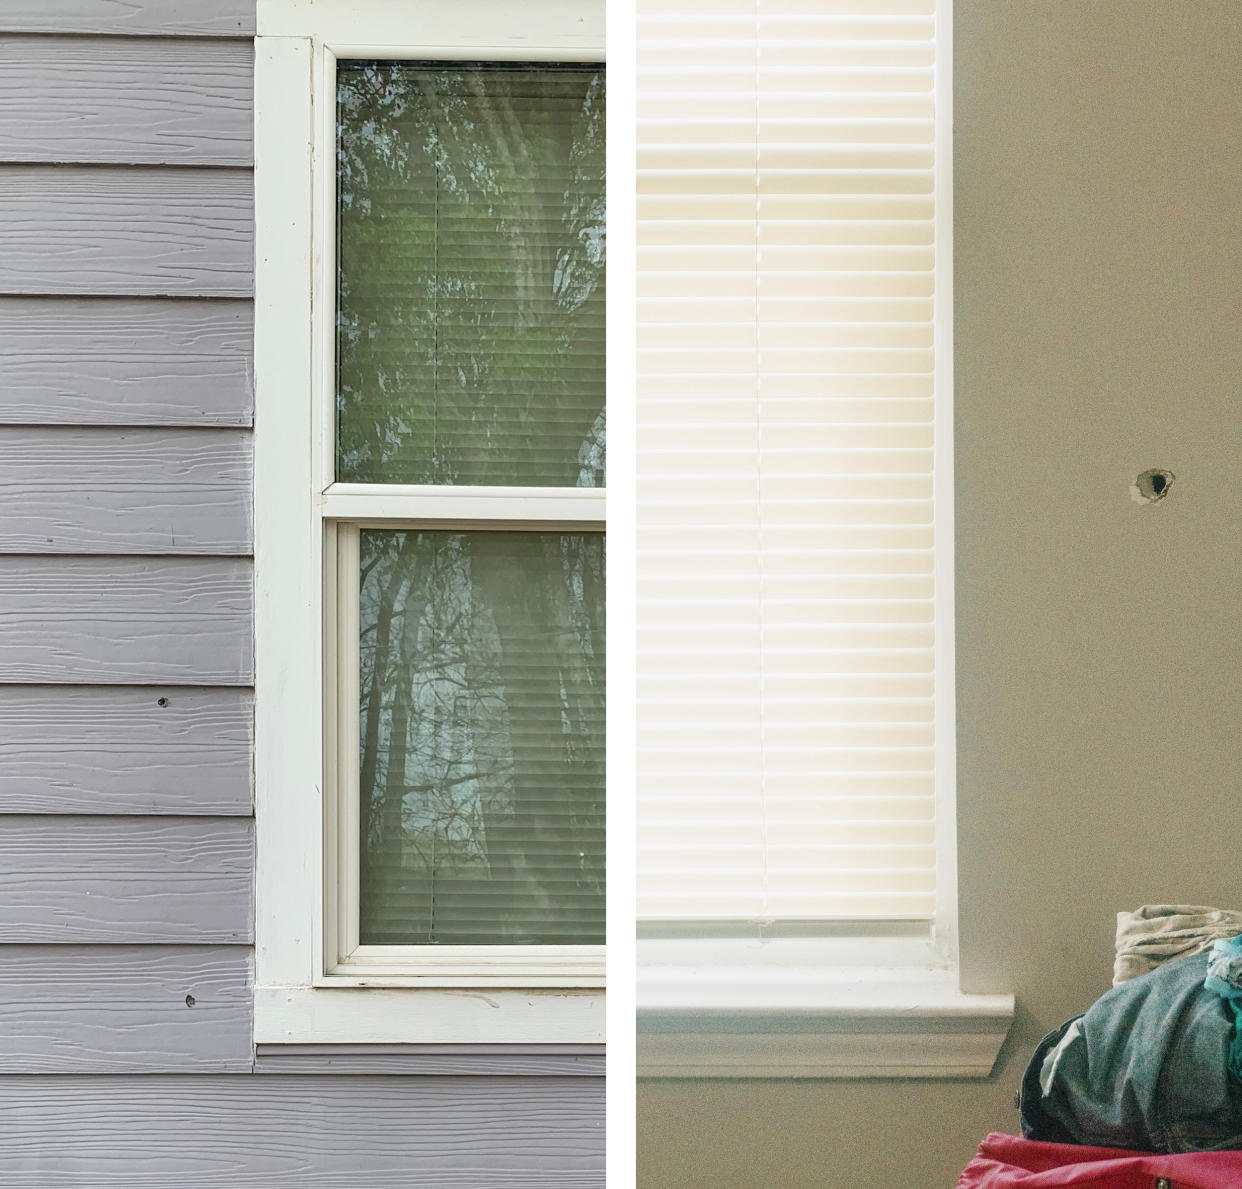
x=1099, y=292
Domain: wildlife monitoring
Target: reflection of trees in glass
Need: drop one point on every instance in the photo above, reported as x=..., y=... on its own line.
x=482, y=741
x=471, y=266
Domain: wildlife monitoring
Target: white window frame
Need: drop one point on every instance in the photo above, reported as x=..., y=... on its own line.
x=313, y=981
x=859, y=998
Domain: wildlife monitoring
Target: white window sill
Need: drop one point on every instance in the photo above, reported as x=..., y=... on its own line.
x=286, y=1015
x=811, y=1008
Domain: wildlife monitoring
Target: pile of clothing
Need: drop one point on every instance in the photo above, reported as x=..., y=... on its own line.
x=1145, y=1088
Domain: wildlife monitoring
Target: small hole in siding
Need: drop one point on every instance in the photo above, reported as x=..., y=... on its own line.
x=189, y=1001
x=161, y=701
x=1151, y=486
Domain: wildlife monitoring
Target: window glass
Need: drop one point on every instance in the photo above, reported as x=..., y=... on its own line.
x=482, y=737
x=470, y=325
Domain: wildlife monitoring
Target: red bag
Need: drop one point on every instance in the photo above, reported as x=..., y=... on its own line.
x=1008, y=1162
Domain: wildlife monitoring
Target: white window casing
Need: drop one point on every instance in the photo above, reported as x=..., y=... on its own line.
x=313, y=981
x=795, y=722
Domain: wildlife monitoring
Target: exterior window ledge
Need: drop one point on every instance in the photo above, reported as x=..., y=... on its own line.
x=812, y=1008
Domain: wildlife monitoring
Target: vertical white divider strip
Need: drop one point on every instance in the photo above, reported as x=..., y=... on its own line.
x=765, y=910
x=946, y=928
x=620, y=594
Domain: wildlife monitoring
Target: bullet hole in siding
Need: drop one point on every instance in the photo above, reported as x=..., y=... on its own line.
x=161, y=701
x=189, y=1001
x=1151, y=486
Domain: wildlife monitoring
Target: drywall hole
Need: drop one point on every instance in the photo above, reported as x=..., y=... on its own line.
x=189, y=1001
x=1151, y=486
x=161, y=702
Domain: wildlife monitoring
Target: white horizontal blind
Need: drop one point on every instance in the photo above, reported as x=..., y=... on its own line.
x=785, y=321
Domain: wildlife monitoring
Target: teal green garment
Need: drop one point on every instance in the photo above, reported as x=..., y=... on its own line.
x=1235, y=1049
x=1224, y=976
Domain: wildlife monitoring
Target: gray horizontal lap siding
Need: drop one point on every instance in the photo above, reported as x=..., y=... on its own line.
x=147, y=361
x=125, y=879
x=126, y=583
x=136, y=18
x=126, y=620
x=126, y=665
x=147, y=994
x=125, y=749
x=155, y=231
x=108, y=491
x=300, y=1132
x=132, y=101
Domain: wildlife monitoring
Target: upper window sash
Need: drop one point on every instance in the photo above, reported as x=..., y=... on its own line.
x=560, y=39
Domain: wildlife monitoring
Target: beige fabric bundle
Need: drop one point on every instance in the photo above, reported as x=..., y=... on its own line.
x=1157, y=933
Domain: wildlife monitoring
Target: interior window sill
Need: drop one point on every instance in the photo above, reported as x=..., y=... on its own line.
x=811, y=1008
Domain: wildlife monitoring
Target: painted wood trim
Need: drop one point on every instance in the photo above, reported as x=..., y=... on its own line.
x=126, y=101
x=139, y=231
x=310, y=1132
x=164, y=18
x=125, y=1009
x=125, y=750
x=464, y=1060
x=126, y=361
x=125, y=880
x=535, y=29
x=125, y=620
x=288, y=697
x=386, y=1016
x=826, y=1007
x=535, y=508
x=124, y=491
x=822, y=1048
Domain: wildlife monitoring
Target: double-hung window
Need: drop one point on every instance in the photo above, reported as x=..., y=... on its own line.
x=430, y=473
x=795, y=665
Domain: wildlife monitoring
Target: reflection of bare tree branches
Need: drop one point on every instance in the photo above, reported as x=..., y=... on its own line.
x=487, y=703
x=399, y=579
x=470, y=319
x=470, y=346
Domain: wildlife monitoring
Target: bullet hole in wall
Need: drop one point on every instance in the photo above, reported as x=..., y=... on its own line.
x=161, y=702
x=1151, y=486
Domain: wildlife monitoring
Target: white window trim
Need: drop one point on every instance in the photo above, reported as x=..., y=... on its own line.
x=313, y=983
x=871, y=1000
x=838, y=1007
